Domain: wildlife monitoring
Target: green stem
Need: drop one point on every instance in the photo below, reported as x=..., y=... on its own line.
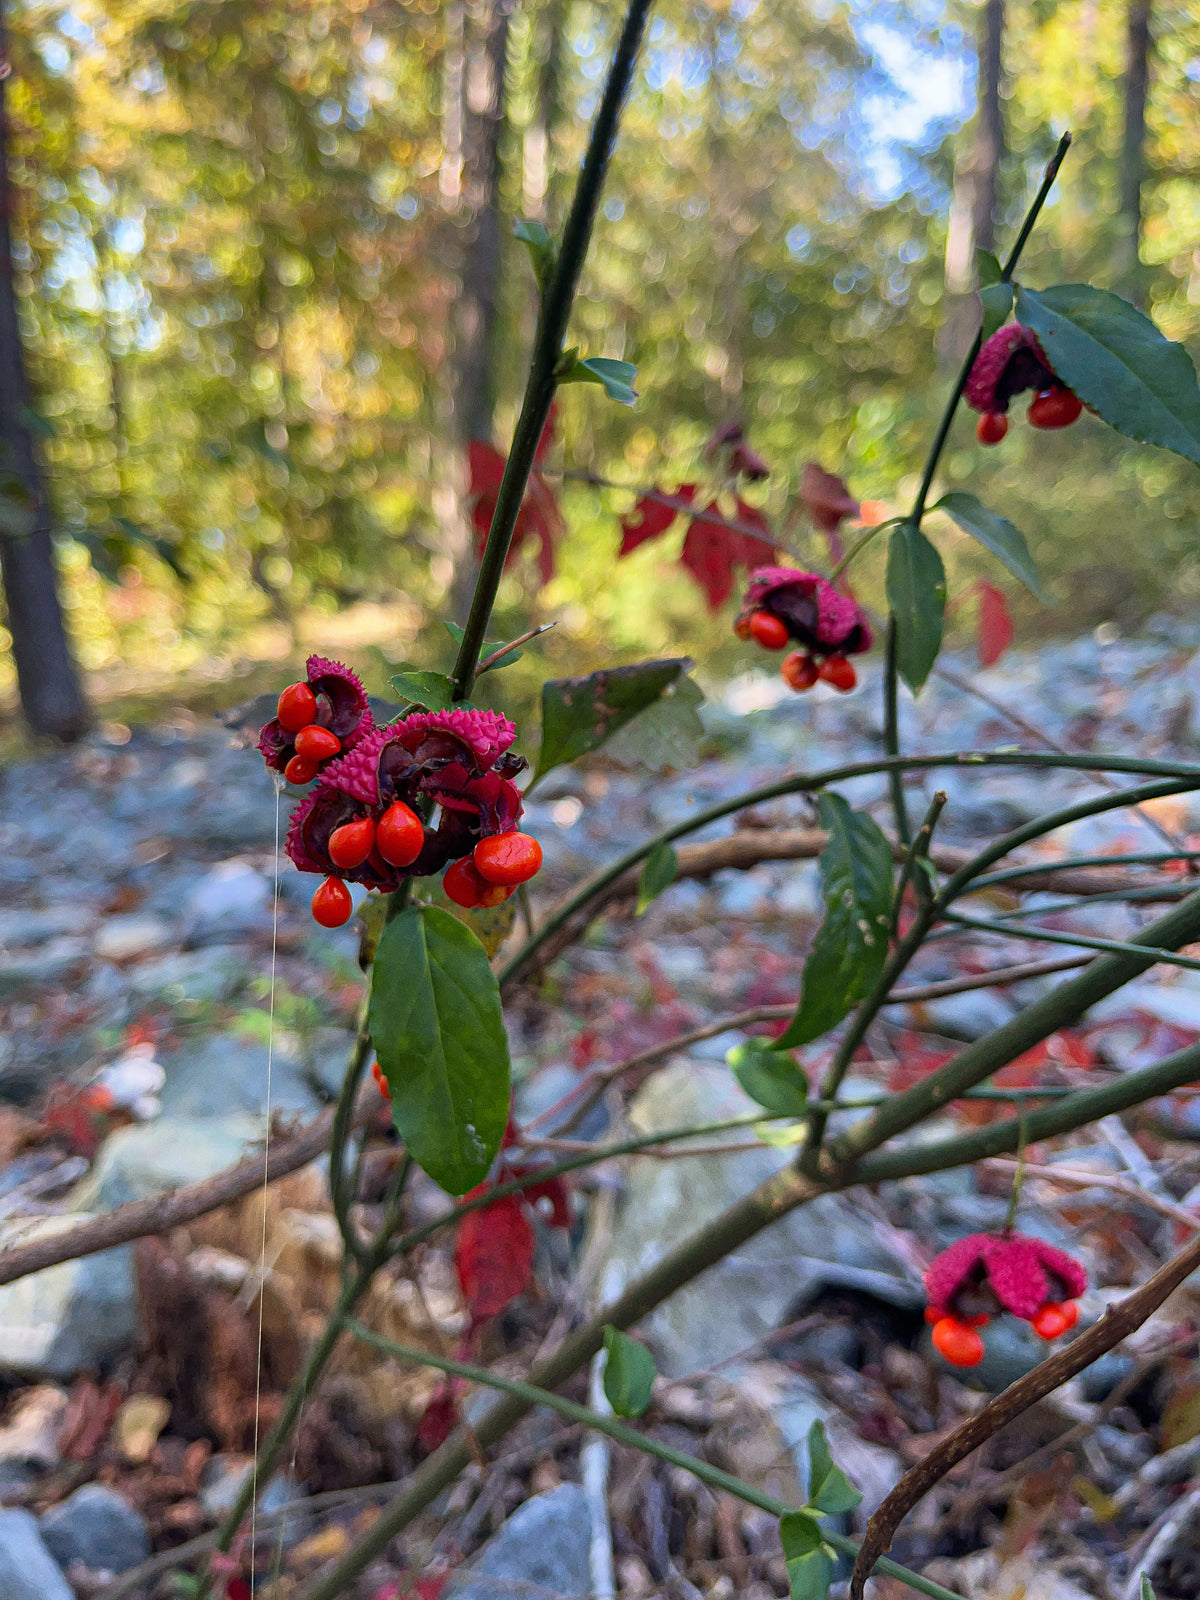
x=634, y=1440
x=939, y=442
x=1183, y=777
x=547, y=345
x=1145, y=858
x=1078, y=1109
x=859, y=545
x=916, y=855
x=343, y=1123
x=1077, y=941
x=1061, y=1008
x=891, y=732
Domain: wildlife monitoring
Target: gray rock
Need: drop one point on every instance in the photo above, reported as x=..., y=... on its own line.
x=829, y=1241
x=46, y=964
x=541, y=1552
x=97, y=1527
x=214, y=1076
x=222, y=1481
x=154, y=1157
x=27, y=1569
x=230, y=899
x=215, y=973
x=69, y=1318
x=119, y=938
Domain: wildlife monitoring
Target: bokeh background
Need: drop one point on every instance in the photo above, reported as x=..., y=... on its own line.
x=268, y=292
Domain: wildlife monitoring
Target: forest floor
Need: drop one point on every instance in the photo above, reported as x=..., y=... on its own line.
x=163, y=992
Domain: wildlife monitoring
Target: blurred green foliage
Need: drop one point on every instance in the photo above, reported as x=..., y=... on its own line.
x=240, y=238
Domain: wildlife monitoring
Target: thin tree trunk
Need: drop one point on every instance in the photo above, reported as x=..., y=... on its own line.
x=1139, y=47
x=47, y=678
x=973, y=207
x=477, y=311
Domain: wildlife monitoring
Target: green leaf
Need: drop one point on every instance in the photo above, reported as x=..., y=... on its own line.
x=916, y=592
x=437, y=1027
x=433, y=690
x=579, y=714
x=770, y=1077
x=851, y=944
x=994, y=533
x=1147, y=1588
x=1118, y=363
x=997, y=301
x=540, y=246
x=616, y=376
x=629, y=1373
x=489, y=648
x=666, y=736
x=658, y=873
x=809, y=1562
x=829, y=1490
x=987, y=267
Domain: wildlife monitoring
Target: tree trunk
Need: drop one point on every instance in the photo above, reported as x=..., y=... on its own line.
x=47, y=678
x=477, y=311
x=1127, y=262
x=973, y=208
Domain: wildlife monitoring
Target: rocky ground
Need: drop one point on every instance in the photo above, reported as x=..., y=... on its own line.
x=144, y=1044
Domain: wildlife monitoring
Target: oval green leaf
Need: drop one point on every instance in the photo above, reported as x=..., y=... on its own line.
x=916, y=592
x=1117, y=362
x=995, y=533
x=658, y=873
x=433, y=690
x=438, y=1030
x=579, y=714
x=829, y=1489
x=770, y=1077
x=629, y=1373
x=849, y=950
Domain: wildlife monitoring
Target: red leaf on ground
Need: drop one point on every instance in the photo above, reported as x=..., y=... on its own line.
x=437, y=1420
x=238, y=1589
x=650, y=517
x=826, y=498
x=493, y=1256
x=995, y=624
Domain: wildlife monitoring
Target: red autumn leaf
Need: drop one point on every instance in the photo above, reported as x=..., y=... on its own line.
x=438, y=1419
x=711, y=552
x=539, y=516
x=493, y=1256
x=995, y=624
x=237, y=1589
x=650, y=517
x=826, y=498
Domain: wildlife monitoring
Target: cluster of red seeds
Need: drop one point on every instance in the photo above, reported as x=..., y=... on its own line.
x=1010, y=362
x=356, y=824
x=986, y=1273
x=785, y=606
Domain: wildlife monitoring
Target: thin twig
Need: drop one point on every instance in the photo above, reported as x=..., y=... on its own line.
x=1077, y=1178
x=1117, y=1323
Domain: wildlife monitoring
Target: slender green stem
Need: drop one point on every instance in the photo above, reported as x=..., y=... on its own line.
x=1183, y=777
x=1145, y=858
x=621, y=1433
x=939, y=442
x=343, y=1123
x=1079, y=1109
x=1078, y=941
x=891, y=733
x=547, y=345
x=859, y=545
x=917, y=856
